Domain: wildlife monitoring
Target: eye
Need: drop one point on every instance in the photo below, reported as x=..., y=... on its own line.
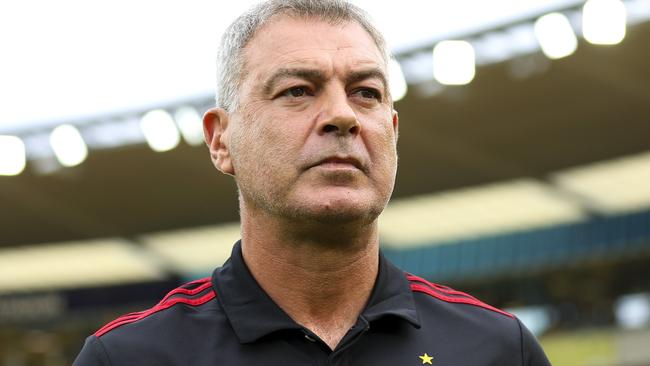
x=369, y=93
x=295, y=92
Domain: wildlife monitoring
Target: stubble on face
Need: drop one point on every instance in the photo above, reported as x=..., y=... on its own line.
x=264, y=188
x=268, y=162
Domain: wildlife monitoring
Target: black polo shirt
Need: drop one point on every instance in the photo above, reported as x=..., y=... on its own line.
x=228, y=319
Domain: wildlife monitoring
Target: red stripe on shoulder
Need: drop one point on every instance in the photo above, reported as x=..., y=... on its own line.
x=441, y=288
x=165, y=303
x=203, y=284
x=448, y=294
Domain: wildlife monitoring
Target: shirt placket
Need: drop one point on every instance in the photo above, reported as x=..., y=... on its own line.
x=339, y=356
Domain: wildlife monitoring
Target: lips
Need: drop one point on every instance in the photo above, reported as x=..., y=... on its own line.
x=340, y=160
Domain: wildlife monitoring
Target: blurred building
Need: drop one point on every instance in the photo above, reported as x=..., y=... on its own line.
x=524, y=179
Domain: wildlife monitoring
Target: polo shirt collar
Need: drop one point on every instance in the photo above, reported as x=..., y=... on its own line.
x=391, y=295
x=253, y=314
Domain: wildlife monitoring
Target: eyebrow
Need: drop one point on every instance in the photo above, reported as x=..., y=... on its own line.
x=317, y=76
x=372, y=73
x=300, y=73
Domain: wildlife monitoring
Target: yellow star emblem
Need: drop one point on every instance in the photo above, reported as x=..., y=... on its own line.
x=426, y=359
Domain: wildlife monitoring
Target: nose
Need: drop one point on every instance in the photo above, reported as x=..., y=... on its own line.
x=337, y=116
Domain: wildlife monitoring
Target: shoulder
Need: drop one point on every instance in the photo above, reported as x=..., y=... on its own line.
x=192, y=294
x=456, y=312
x=447, y=294
x=465, y=322
x=180, y=318
x=156, y=333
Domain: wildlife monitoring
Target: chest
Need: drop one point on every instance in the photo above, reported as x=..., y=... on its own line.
x=398, y=345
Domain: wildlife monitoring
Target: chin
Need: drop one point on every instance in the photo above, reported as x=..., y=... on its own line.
x=324, y=206
x=340, y=212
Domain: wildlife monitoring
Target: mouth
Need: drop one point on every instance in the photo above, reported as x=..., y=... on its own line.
x=339, y=162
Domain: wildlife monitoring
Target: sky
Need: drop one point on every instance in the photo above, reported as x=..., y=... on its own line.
x=74, y=59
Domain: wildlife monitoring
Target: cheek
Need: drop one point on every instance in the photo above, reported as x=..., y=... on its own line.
x=381, y=143
x=266, y=143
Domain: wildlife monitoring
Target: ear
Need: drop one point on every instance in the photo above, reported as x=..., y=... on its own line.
x=396, y=124
x=216, y=133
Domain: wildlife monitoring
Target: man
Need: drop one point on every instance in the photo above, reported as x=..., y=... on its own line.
x=306, y=127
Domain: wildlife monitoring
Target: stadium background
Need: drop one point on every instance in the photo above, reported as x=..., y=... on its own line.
x=526, y=185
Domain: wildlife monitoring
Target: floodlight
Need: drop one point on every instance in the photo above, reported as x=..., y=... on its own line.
x=189, y=122
x=397, y=83
x=12, y=155
x=454, y=62
x=159, y=130
x=68, y=145
x=604, y=21
x=555, y=35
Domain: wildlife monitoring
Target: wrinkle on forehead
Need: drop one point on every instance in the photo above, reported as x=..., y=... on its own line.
x=284, y=42
x=278, y=40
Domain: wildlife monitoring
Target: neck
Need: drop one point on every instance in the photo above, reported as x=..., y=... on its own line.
x=321, y=275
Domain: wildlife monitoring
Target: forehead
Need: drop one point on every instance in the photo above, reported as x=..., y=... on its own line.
x=288, y=41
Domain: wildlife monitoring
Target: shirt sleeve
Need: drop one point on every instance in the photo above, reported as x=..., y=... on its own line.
x=532, y=353
x=92, y=354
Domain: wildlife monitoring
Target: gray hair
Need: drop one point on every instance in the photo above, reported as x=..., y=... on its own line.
x=230, y=58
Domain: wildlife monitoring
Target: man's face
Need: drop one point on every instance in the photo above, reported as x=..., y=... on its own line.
x=315, y=135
